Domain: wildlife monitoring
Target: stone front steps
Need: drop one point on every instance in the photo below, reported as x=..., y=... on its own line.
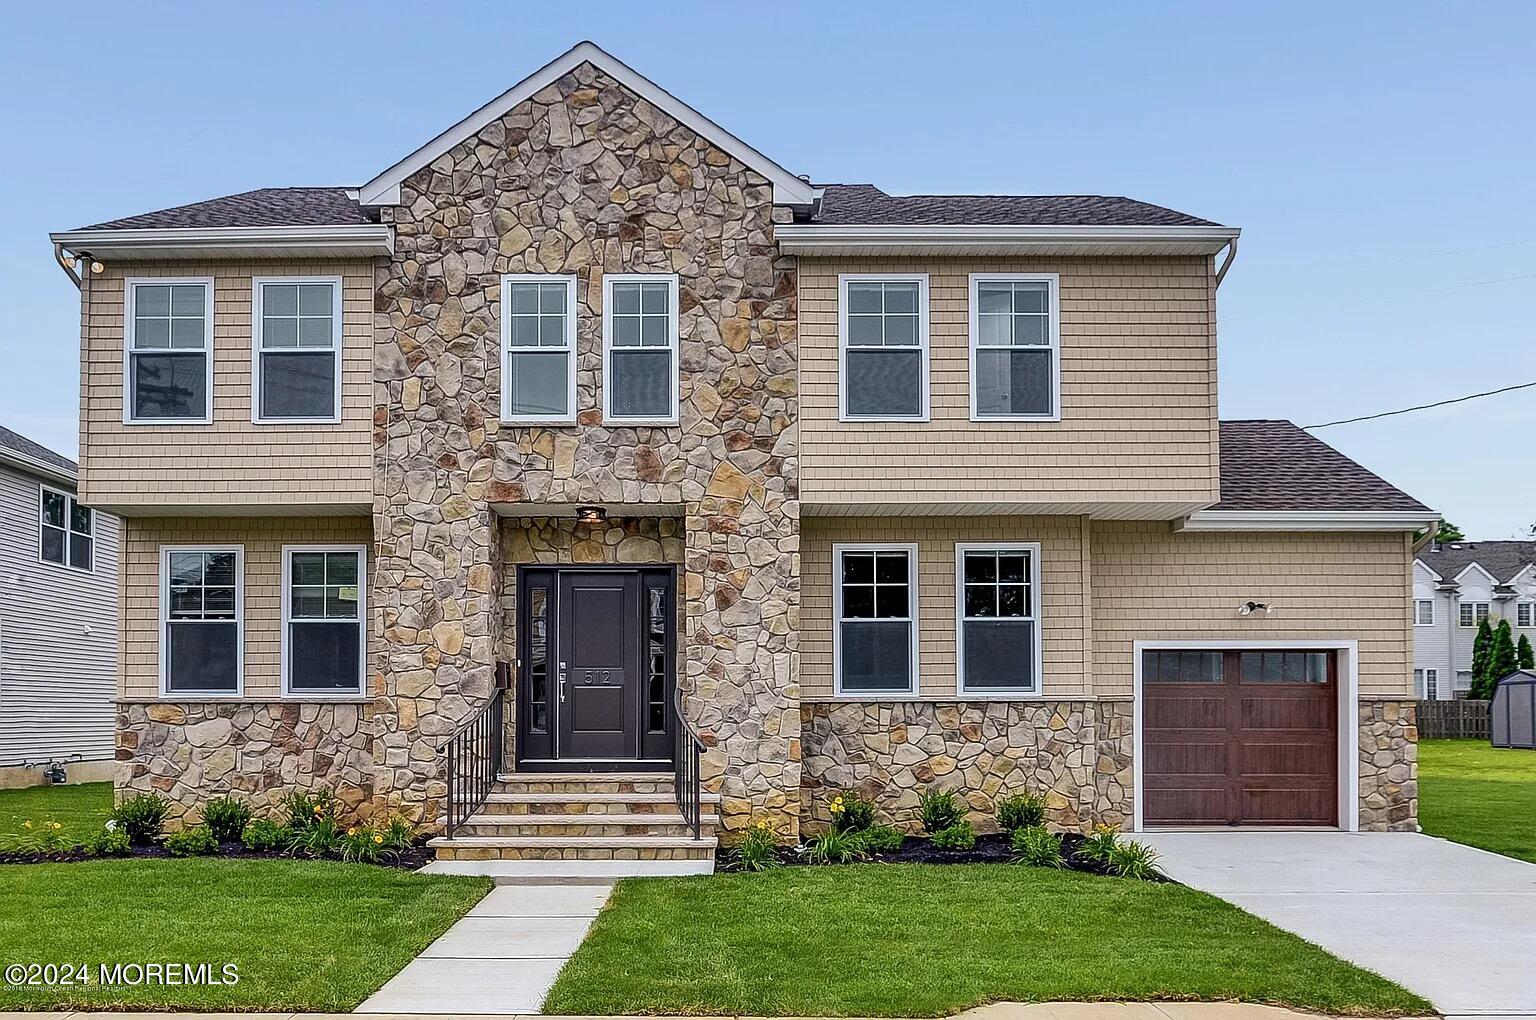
x=582, y=817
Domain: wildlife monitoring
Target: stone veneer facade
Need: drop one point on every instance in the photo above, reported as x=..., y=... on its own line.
x=587, y=179
x=1389, y=766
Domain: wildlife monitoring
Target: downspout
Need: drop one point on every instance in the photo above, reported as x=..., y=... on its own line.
x=64, y=264
x=1221, y=272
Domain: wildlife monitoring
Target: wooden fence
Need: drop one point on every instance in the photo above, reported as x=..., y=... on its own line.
x=1453, y=719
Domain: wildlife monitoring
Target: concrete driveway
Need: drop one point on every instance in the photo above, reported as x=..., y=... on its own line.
x=1455, y=924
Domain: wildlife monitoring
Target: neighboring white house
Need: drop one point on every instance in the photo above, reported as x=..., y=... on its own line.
x=1455, y=585
x=58, y=619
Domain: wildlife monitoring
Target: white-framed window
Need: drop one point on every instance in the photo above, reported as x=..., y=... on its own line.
x=202, y=620
x=882, y=326
x=1015, y=332
x=538, y=341
x=997, y=618
x=324, y=601
x=1470, y=614
x=296, y=349
x=640, y=371
x=1423, y=612
x=65, y=530
x=1463, y=681
x=167, y=350
x=1525, y=614
x=874, y=641
x=1428, y=683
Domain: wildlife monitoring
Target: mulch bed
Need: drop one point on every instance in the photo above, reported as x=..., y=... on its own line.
x=410, y=860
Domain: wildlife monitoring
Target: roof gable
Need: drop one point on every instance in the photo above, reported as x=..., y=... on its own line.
x=1477, y=567
x=787, y=188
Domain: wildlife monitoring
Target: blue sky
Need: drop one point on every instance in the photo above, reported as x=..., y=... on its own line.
x=1380, y=159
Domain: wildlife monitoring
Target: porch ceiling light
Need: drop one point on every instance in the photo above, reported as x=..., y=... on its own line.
x=591, y=514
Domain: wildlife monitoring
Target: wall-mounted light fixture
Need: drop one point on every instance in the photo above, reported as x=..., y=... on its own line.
x=1250, y=607
x=591, y=514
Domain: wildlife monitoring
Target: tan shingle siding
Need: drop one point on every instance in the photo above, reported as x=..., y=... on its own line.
x=1138, y=392
x=263, y=539
x=231, y=461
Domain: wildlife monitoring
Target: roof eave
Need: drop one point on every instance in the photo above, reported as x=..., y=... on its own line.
x=1307, y=520
x=31, y=465
x=1023, y=239
x=359, y=239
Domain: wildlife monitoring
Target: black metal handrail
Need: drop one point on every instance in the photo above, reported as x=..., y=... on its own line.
x=685, y=756
x=474, y=754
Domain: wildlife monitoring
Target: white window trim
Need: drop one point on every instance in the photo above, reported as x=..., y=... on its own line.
x=1423, y=602
x=1053, y=332
x=165, y=620
x=69, y=532
x=362, y=623
x=1487, y=612
x=670, y=279
x=130, y=284
x=1421, y=680
x=998, y=693
x=843, y=280
x=1530, y=610
x=258, y=347
x=507, y=279
x=910, y=548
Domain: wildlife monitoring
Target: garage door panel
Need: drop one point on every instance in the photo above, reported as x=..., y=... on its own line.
x=1189, y=806
x=1272, y=713
x=1194, y=758
x=1283, y=759
x=1188, y=711
x=1287, y=805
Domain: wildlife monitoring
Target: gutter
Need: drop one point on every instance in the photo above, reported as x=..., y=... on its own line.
x=810, y=238
x=1308, y=520
x=181, y=242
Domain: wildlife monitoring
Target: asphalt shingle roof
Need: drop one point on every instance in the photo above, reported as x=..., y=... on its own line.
x=18, y=443
x=1274, y=465
x=867, y=204
x=1501, y=559
x=265, y=207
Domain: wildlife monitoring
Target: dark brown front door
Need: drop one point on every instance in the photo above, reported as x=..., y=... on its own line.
x=595, y=668
x=1244, y=737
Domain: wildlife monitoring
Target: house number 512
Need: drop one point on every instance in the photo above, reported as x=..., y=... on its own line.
x=599, y=675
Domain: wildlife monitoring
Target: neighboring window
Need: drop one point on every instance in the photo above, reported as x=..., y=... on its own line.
x=875, y=603
x=1463, y=681
x=1472, y=613
x=1423, y=612
x=999, y=639
x=297, y=350
x=67, y=531
x=323, y=620
x=201, y=597
x=640, y=348
x=1428, y=683
x=884, y=330
x=538, y=332
x=168, y=350
x=1181, y=667
x=1015, y=348
x=1525, y=614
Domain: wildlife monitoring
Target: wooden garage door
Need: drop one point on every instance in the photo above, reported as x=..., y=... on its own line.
x=1240, y=737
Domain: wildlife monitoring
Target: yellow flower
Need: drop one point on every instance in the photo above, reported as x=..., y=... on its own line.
x=58, y=825
x=352, y=831
x=319, y=809
x=27, y=824
x=377, y=838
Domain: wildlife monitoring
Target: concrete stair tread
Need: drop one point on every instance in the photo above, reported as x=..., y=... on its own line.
x=589, y=842
x=584, y=777
x=605, y=797
x=588, y=819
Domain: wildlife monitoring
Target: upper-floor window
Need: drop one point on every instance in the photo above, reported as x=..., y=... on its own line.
x=640, y=372
x=1015, y=346
x=883, y=331
x=1423, y=612
x=168, y=350
x=296, y=350
x=66, y=530
x=201, y=617
x=323, y=637
x=874, y=594
x=1525, y=614
x=1470, y=614
x=538, y=332
x=998, y=646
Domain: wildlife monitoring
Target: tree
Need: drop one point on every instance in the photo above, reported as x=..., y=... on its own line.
x=1503, y=659
x=1524, y=654
x=1449, y=533
x=1482, y=645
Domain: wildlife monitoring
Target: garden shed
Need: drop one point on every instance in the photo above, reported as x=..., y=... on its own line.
x=1512, y=716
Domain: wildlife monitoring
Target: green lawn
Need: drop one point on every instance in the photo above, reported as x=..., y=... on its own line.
x=1479, y=795
x=81, y=809
x=305, y=935
x=927, y=940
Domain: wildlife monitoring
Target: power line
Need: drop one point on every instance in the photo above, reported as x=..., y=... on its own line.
x=1423, y=407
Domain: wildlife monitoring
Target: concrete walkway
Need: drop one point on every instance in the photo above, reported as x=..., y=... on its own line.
x=500, y=958
x=1455, y=924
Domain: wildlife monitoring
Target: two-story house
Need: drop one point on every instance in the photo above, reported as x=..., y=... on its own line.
x=1457, y=585
x=881, y=492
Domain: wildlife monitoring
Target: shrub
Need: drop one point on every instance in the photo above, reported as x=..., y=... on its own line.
x=306, y=809
x=263, y=834
x=226, y=816
x=321, y=838
x=1020, y=811
x=939, y=809
x=399, y=834
x=852, y=813
x=363, y=844
x=1524, y=654
x=883, y=839
x=195, y=841
x=1097, y=847
x=109, y=842
x=960, y=836
x=834, y=847
x=1130, y=859
x=1038, y=847
x=758, y=849
x=141, y=818
x=37, y=837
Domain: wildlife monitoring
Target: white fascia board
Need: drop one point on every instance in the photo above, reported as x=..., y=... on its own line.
x=1307, y=520
x=787, y=188
x=809, y=238
x=1480, y=569
x=32, y=465
x=357, y=238
x=1431, y=571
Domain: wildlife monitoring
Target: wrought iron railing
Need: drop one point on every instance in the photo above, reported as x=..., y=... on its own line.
x=685, y=756
x=474, y=753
